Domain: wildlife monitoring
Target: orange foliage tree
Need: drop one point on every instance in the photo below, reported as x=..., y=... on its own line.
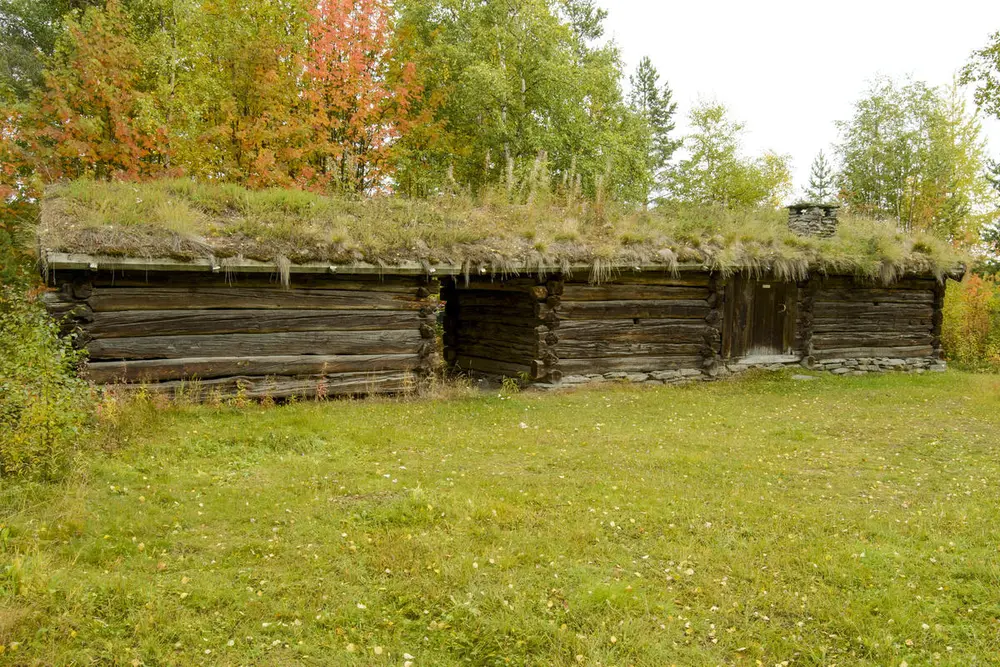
x=94, y=116
x=971, y=332
x=358, y=99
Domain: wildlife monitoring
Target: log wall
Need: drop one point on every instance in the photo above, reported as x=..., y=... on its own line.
x=852, y=320
x=212, y=334
x=656, y=327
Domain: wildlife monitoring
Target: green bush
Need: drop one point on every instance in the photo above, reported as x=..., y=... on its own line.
x=971, y=332
x=44, y=407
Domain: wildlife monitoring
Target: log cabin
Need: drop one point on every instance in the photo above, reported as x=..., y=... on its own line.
x=233, y=326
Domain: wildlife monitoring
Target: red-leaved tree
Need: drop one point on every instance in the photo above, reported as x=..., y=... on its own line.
x=358, y=98
x=93, y=116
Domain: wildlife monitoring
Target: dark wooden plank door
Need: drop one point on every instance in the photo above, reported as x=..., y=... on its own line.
x=760, y=318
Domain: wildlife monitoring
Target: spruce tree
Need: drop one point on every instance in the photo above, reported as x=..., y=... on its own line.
x=656, y=106
x=822, y=187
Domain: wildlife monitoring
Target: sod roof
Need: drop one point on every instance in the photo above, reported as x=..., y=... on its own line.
x=180, y=222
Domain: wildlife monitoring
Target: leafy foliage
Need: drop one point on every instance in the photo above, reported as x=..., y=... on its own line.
x=915, y=155
x=43, y=407
x=971, y=331
x=358, y=97
x=94, y=116
x=715, y=173
x=510, y=82
x=983, y=70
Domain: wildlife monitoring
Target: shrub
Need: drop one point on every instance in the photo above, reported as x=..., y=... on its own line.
x=44, y=407
x=971, y=331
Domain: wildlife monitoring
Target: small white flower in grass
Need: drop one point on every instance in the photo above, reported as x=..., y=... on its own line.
x=614, y=640
x=408, y=663
x=351, y=648
x=378, y=650
x=689, y=572
x=361, y=605
x=523, y=425
x=407, y=656
x=925, y=626
x=231, y=642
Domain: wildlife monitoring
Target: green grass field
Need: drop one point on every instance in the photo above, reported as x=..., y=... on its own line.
x=756, y=522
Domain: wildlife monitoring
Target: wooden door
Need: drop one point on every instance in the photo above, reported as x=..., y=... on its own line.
x=760, y=318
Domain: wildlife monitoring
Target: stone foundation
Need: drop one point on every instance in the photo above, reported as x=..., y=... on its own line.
x=838, y=367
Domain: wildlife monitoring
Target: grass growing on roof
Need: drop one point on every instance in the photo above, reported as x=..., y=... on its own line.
x=849, y=522
x=184, y=220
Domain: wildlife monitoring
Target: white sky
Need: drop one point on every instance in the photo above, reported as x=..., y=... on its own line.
x=790, y=68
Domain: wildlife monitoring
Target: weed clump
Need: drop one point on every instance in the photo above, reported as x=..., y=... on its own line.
x=44, y=408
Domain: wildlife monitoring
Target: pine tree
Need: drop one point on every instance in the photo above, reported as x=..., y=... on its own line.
x=822, y=187
x=656, y=106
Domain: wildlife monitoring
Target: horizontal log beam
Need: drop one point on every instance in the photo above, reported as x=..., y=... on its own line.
x=259, y=345
x=139, y=323
x=237, y=298
x=495, y=367
x=863, y=310
x=629, y=364
x=159, y=370
x=884, y=339
x=643, y=331
x=633, y=292
x=694, y=278
x=570, y=349
x=875, y=296
x=681, y=309
x=344, y=384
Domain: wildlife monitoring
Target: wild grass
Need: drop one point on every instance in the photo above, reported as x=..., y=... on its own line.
x=184, y=219
x=848, y=522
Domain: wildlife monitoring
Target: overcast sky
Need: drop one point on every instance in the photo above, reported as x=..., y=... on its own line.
x=790, y=68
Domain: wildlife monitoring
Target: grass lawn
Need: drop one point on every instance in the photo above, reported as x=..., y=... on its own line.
x=757, y=522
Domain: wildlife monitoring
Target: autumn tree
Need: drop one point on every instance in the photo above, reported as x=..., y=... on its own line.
x=914, y=154
x=358, y=97
x=237, y=97
x=716, y=173
x=95, y=115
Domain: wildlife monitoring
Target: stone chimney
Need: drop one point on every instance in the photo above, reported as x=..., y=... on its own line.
x=813, y=219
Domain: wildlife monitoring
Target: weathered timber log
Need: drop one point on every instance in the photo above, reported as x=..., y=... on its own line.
x=851, y=283
x=570, y=349
x=344, y=384
x=479, y=329
x=159, y=370
x=513, y=290
x=499, y=351
x=373, y=283
x=257, y=345
x=645, y=330
x=138, y=323
x=687, y=279
x=884, y=339
x=556, y=287
x=680, y=309
x=169, y=298
x=496, y=317
x=863, y=310
x=495, y=367
x=875, y=296
x=511, y=304
x=633, y=292
x=629, y=364
x=875, y=352
x=830, y=324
